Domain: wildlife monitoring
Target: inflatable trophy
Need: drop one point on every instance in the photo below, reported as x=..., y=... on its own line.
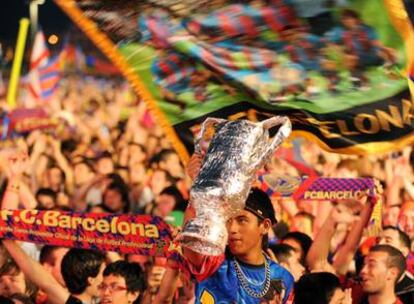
x=236, y=151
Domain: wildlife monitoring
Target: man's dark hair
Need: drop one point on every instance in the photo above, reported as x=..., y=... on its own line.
x=306, y=215
x=78, y=265
x=69, y=146
x=131, y=272
x=21, y=298
x=9, y=267
x=46, y=254
x=123, y=190
x=403, y=237
x=102, y=155
x=164, y=154
x=4, y=300
x=349, y=13
x=395, y=258
x=304, y=241
x=46, y=192
x=282, y=252
x=316, y=288
x=180, y=202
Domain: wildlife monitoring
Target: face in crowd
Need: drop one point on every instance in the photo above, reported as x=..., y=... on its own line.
x=406, y=219
x=396, y=238
x=11, y=282
x=382, y=268
x=246, y=232
x=122, y=283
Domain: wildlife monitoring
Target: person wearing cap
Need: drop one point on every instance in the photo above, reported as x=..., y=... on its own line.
x=244, y=274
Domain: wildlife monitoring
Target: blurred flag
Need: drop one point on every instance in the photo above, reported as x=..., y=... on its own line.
x=44, y=74
x=80, y=58
x=99, y=66
x=336, y=68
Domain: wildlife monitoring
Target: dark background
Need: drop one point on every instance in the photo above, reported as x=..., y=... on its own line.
x=51, y=19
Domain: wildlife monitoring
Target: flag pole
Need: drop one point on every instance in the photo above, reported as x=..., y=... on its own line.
x=17, y=62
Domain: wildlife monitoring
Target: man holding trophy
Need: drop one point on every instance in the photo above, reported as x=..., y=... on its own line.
x=224, y=244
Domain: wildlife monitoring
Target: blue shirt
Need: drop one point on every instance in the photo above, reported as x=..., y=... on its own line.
x=223, y=285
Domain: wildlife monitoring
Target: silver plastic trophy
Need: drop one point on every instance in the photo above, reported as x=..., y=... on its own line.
x=237, y=150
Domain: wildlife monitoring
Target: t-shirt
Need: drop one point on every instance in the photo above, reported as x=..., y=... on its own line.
x=365, y=301
x=73, y=300
x=405, y=289
x=218, y=281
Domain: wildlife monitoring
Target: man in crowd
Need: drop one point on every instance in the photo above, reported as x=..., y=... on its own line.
x=286, y=256
x=398, y=239
x=51, y=259
x=245, y=273
x=81, y=270
x=383, y=267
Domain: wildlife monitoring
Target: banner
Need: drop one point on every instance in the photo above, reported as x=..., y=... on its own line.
x=338, y=69
x=314, y=188
x=21, y=121
x=317, y=188
x=137, y=234
x=150, y=235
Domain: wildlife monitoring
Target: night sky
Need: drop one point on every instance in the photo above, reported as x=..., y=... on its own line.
x=51, y=18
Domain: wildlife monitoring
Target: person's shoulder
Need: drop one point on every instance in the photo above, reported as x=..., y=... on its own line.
x=278, y=271
x=73, y=300
x=405, y=285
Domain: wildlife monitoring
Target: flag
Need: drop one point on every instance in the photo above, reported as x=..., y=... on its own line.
x=98, y=66
x=73, y=56
x=291, y=153
x=341, y=76
x=44, y=74
x=80, y=58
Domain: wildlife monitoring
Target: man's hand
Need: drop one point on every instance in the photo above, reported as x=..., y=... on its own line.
x=341, y=216
x=155, y=278
x=15, y=162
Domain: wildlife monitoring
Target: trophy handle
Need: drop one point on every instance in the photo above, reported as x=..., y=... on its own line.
x=280, y=136
x=209, y=122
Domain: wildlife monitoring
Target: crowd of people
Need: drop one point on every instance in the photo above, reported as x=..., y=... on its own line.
x=111, y=156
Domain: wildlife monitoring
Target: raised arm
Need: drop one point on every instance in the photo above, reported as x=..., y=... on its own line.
x=168, y=286
x=63, y=164
x=347, y=251
x=26, y=197
x=317, y=257
x=78, y=201
x=37, y=274
x=15, y=163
